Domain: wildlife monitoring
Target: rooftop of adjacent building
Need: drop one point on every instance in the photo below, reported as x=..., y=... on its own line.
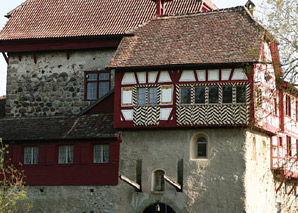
x=37, y=19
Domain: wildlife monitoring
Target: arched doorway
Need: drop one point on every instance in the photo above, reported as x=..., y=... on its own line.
x=158, y=208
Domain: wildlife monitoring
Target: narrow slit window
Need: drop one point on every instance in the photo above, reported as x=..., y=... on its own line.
x=159, y=182
x=288, y=105
x=227, y=94
x=213, y=95
x=185, y=93
x=202, y=147
x=200, y=95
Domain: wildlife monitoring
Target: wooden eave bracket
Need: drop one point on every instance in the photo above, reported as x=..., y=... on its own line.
x=173, y=183
x=131, y=182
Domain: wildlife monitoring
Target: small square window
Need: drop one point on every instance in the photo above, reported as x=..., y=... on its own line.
x=65, y=154
x=31, y=155
x=101, y=153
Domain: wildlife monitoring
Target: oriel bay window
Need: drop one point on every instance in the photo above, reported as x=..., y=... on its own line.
x=227, y=92
x=97, y=84
x=199, y=95
x=185, y=95
x=213, y=95
x=240, y=94
x=31, y=155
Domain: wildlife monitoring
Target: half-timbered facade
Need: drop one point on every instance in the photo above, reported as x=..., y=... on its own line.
x=169, y=106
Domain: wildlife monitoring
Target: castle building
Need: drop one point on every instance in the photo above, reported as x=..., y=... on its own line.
x=148, y=106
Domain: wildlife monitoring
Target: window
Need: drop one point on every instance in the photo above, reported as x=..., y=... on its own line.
x=97, y=84
x=213, y=95
x=141, y=96
x=101, y=153
x=31, y=155
x=240, y=94
x=142, y=93
x=288, y=105
x=65, y=154
x=202, y=147
x=158, y=180
x=200, y=95
x=152, y=95
x=185, y=93
x=227, y=94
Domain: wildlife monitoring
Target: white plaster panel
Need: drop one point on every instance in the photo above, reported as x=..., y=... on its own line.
x=187, y=75
x=166, y=94
x=201, y=75
x=165, y=113
x=213, y=75
x=267, y=52
x=225, y=74
x=127, y=114
x=239, y=74
x=126, y=96
x=128, y=78
x=164, y=77
x=152, y=76
x=274, y=141
x=141, y=77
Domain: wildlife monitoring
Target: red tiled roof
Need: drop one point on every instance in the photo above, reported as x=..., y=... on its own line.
x=73, y=18
x=223, y=36
x=58, y=128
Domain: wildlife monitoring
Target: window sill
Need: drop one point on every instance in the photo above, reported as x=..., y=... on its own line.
x=199, y=159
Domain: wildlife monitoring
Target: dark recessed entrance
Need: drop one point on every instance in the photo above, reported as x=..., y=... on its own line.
x=158, y=208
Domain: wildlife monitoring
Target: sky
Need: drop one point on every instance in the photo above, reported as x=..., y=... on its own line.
x=7, y=6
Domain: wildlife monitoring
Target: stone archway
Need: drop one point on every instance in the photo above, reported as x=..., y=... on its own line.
x=158, y=208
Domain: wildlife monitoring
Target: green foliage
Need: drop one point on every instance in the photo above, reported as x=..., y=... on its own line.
x=12, y=191
x=280, y=17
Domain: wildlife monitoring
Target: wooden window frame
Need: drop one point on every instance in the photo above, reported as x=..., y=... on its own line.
x=31, y=155
x=97, y=81
x=93, y=153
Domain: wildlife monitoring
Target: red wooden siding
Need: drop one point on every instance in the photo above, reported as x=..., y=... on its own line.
x=81, y=172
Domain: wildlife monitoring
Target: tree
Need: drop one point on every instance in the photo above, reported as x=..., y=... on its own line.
x=12, y=191
x=280, y=17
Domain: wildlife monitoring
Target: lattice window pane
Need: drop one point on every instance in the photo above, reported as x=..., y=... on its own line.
x=91, y=77
x=153, y=95
x=227, y=94
x=104, y=88
x=213, y=94
x=141, y=96
x=200, y=95
x=91, y=91
x=185, y=95
x=104, y=76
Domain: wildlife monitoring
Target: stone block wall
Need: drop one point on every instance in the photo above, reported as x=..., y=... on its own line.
x=52, y=86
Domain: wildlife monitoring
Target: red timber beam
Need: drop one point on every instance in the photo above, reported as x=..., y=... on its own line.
x=58, y=44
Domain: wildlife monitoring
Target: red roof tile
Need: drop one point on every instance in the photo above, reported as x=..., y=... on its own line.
x=223, y=36
x=73, y=18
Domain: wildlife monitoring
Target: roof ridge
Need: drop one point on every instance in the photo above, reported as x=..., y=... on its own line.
x=239, y=8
